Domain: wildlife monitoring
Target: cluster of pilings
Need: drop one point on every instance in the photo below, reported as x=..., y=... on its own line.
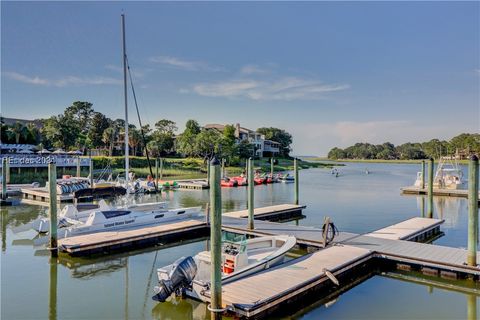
x=472, y=204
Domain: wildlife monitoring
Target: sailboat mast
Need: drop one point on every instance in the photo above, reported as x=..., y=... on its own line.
x=125, y=97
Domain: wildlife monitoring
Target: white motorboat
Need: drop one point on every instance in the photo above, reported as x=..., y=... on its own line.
x=116, y=219
x=448, y=175
x=191, y=276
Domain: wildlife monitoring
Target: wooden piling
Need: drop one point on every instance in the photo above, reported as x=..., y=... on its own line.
x=161, y=168
x=52, y=189
x=295, y=169
x=430, y=189
x=156, y=171
x=472, y=211
x=223, y=167
x=208, y=174
x=78, y=167
x=271, y=167
x=91, y=173
x=215, y=239
x=250, y=187
x=423, y=174
x=4, y=178
x=7, y=172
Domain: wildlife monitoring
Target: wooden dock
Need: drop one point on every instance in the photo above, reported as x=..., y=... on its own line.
x=41, y=194
x=126, y=239
x=280, y=212
x=276, y=287
x=436, y=192
x=346, y=258
x=193, y=184
x=133, y=238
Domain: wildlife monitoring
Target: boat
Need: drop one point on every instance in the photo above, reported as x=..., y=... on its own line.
x=191, y=275
x=286, y=178
x=227, y=182
x=241, y=181
x=448, y=175
x=118, y=219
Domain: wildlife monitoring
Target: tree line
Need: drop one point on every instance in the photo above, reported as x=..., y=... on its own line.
x=82, y=128
x=465, y=144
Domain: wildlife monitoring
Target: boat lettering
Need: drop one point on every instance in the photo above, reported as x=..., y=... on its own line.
x=108, y=225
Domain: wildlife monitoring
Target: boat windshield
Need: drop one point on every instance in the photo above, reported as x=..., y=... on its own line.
x=114, y=213
x=239, y=241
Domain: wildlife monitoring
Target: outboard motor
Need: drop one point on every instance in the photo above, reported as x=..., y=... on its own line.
x=181, y=274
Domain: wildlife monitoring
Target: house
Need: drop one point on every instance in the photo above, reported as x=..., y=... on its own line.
x=263, y=147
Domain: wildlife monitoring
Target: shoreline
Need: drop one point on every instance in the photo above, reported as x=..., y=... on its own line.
x=397, y=161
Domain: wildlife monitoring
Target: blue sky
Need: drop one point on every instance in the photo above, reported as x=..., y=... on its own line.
x=331, y=73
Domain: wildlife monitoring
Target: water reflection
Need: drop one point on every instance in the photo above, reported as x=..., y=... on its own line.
x=120, y=286
x=446, y=208
x=177, y=308
x=52, y=301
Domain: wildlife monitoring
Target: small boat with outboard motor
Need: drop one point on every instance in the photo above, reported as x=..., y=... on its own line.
x=228, y=182
x=191, y=275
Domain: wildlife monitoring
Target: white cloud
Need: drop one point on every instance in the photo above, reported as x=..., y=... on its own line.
x=63, y=81
x=26, y=79
x=285, y=88
x=189, y=65
x=252, y=69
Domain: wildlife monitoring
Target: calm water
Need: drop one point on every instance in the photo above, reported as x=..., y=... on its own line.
x=120, y=286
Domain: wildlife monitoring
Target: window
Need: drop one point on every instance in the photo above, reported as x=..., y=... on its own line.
x=159, y=216
x=115, y=213
x=181, y=212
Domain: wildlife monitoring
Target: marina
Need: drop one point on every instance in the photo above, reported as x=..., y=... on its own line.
x=354, y=255
x=208, y=161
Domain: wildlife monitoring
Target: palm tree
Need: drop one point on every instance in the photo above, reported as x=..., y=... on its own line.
x=134, y=139
x=32, y=132
x=109, y=136
x=18, y=131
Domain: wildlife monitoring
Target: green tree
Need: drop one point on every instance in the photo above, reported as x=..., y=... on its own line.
x=208, y=143
x=99, y=123
x=186, y=141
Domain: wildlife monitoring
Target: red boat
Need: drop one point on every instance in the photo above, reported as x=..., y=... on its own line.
x=259, y=180
x=226, y=182
x=241, y=181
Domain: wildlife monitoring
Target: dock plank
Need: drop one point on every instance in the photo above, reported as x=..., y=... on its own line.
x=289, y=277
x=269, y=210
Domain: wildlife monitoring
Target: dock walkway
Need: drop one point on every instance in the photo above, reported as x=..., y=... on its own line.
x=150, y=235
x=265, y=292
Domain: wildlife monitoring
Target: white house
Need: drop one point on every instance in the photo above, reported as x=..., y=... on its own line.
x=263, y=147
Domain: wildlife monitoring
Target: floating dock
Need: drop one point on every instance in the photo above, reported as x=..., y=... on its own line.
x=282, y=212
x=436, y=192
x=176, y=231
x=41, y=194
x=348, y=258
x=193, y=184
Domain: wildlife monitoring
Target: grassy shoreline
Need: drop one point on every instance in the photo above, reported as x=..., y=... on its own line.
x=173, y=169
x=375, y=160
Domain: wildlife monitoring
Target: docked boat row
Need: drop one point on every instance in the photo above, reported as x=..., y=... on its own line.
x=259, y=179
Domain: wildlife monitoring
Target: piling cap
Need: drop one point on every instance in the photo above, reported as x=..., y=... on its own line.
x=214, y=161
x=431, y=159
x=474, y=157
